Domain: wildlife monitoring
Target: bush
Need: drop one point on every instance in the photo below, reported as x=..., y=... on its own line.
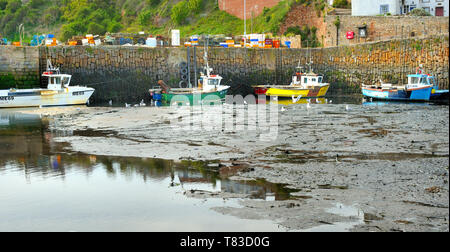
x=114, y=27
x=153, y=2
x=293, y=30
x=145, y=17
x=179, y=12
x=195, y=6
x=96, y=28
x=419, y=12
x=341, y=4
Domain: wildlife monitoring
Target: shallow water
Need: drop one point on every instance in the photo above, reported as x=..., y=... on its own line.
x=43, y=188
x=47, y=187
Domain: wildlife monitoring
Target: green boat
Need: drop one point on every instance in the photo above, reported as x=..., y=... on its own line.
x=208, y=91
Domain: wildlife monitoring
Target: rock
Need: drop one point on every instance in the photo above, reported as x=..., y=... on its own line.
x=433, y=189
x=371, y=217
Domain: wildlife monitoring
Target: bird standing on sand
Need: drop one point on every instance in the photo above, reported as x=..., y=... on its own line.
x=110, y=102
x=283, y=109
x=142, y=104
x=308, y=105
x=127, y=105
x=347, y=108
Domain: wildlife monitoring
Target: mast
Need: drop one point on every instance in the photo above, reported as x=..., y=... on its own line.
x=205, y=57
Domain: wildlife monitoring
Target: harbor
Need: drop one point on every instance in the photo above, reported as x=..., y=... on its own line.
x=208, y=116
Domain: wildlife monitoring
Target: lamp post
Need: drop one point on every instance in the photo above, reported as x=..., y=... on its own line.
x=245, y=26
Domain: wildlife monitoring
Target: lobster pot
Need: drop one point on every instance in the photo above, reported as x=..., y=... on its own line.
x=176, y=38
x=194, y=40
x=150, y=42
x=257, y=40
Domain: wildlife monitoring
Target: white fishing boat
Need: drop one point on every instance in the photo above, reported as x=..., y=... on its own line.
x=57, y=93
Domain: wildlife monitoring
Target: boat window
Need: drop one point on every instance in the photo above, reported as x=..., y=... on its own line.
x=58, y=80
x=65, y=81
x=214, y=82
x=414, y=80
x=52, y=80
x=432, y=81
x=423, y=80
x=313, y=79
x=320, y=79
x=305, y=80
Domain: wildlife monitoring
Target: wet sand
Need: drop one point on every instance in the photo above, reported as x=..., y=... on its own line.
x=356, y=168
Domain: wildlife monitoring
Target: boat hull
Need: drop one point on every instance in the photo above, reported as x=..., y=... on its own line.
x=419, y=94
x=289, y=91
x=44, y=97
x=195, y=98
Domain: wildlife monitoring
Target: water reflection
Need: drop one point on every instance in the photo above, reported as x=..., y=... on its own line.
x=45, y=188
x=27, y=145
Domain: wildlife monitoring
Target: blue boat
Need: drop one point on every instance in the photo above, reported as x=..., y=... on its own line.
x=420, y=87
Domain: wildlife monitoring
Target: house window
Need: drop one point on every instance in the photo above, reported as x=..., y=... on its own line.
x=425, y=1
x=384, y=9
x=405, y=9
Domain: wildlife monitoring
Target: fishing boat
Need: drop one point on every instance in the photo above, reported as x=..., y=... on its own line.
x=420, y=87
x=57, y=93
x=304, y=85
x=208, y=90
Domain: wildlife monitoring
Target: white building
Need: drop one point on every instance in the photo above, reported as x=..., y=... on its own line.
x=375, y=7
x=434, y=7
x=398, y=7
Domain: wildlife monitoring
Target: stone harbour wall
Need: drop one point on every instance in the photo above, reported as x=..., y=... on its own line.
x=125, y=74
x=19, y=66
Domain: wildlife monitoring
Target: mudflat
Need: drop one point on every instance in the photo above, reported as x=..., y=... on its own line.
x=366, y=167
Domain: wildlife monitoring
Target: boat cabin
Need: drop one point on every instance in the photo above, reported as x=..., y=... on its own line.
x=57, y=81
x=306, y=80
x=419, y=80
x=209, y=82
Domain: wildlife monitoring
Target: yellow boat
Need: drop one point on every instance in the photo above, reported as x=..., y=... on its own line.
x=305, y=85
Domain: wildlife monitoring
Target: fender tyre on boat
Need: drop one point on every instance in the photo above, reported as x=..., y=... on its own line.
x=184, y=71
x=183, y=84
x=183, y=65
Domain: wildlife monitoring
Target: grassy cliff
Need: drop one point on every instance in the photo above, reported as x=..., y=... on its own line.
x=67, y=18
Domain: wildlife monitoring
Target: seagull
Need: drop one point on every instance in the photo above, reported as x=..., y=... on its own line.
x=142, y=104
x=110, y=102
x=347, y=108
x=283, y=109
x=308, y=106
x=245, y=102
x=337, y=161
x=331, y=101
x=127, y=105
x=295, y=100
